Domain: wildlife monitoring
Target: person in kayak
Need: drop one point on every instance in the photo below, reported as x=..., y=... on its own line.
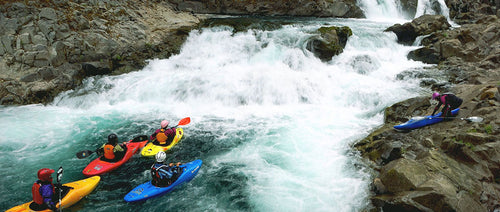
x=163, y=175
x=449, y=102
x=112, y=151
x=43, y=191
x=163, y=136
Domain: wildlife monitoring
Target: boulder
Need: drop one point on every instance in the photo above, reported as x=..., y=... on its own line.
x=330, y=42
x=423, y=25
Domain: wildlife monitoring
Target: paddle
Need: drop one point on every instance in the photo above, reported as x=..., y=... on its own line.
x=59, y=176
x=86, y=153
x=184, y=121
x=469, y=119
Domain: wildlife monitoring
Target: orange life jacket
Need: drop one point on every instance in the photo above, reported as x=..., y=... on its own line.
x=109, y=152
x=161, y=137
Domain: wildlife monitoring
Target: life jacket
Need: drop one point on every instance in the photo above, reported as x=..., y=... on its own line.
x=156, y=178
x=35, y=191
x=109, y=152
x=161, y=137
x=452, y=99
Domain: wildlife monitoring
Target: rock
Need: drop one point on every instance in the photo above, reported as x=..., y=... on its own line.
x=403, y=175
x=38, y=39
x=379, y=187
x=426, y=55
x=96, y=68
x=321, y=8
x=403, y=111
x=488, y=93
x=423, y=25
x=330, y=42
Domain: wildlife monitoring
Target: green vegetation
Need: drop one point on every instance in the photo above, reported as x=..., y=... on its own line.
x=467, y=144
x=473, y=130
x=488, y=129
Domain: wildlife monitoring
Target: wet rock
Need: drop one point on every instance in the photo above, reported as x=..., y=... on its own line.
x=423, y=25
x=330, y=42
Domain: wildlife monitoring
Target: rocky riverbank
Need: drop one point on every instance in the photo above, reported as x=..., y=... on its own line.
x=453, y=165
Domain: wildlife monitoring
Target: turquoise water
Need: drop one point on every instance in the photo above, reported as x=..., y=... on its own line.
x=271, y=122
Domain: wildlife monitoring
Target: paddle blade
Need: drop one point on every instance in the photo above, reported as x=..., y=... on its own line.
x=139, y=138
x=474, y=119
x=184, y=121
x=83, y=154
x=59, y=174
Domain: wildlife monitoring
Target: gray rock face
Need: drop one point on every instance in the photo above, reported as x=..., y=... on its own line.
x=49, y=47
x=321, y=8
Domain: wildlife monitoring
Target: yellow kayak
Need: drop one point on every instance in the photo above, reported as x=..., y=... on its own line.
x=79, y=189
x=151, y=149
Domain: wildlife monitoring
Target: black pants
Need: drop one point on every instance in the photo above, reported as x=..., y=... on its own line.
x=454, y=105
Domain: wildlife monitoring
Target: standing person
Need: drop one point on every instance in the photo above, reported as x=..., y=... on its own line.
x=163, y=175
x=112, y=150
x=449, y=102
x=163, y=136
x=43, y=191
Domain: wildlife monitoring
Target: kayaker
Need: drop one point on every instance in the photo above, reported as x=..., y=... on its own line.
x=163, y=175
x=449, y=102
x=163, y=136
x=43, y=191
x=112, y=151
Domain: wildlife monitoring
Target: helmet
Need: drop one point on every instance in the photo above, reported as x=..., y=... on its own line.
x=161, y=137
x=45, y=174
x=112, y=138
x=160, y=157
x=164, y=123
x=435, y=95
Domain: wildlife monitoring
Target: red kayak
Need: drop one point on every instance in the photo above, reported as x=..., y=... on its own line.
x=98, y=166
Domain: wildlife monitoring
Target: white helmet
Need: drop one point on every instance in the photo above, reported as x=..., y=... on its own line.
x=160, y=157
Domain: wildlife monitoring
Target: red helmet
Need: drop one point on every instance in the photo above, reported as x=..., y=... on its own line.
x=45, y=174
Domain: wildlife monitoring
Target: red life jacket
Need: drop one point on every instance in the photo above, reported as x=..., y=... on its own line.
x=35, y=191
x=109, y=152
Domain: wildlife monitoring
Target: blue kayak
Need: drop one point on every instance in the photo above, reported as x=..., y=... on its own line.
x=147, y=190
x=417, y=122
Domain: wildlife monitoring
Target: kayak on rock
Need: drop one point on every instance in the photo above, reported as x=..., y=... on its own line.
x=421, y=121
x=98, y=166
x=71, y=193
x=147, y=190
x=151, y=149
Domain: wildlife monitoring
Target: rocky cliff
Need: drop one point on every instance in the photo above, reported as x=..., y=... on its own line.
x=50, y=46
x=453, y=165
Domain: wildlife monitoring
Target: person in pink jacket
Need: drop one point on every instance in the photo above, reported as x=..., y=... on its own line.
x=163, y=136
